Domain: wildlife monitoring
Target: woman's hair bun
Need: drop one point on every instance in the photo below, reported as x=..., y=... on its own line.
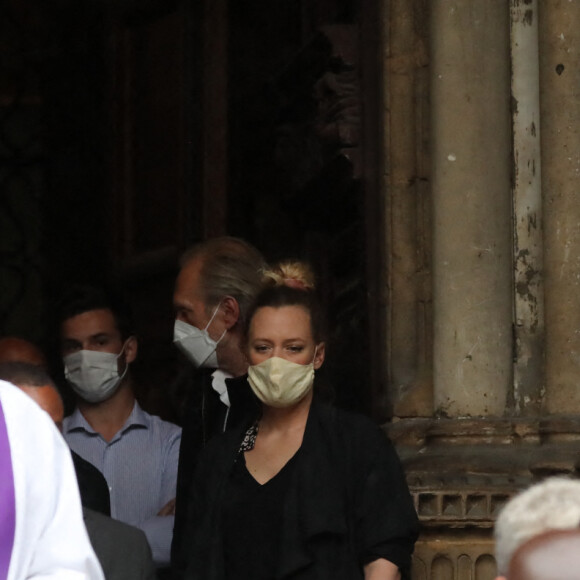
x=291, y=273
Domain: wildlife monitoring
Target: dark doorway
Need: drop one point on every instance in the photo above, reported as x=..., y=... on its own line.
x=129, y=130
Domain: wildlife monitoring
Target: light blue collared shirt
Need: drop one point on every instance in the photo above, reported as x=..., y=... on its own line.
x=140, y=466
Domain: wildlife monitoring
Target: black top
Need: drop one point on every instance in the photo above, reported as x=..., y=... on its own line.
x=204, y=418
x=347, y=503
x=251, y=519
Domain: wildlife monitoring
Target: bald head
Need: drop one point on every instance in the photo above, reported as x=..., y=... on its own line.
x=553, y=555
x=553, y=504
x=13, y=349
x=35, y=382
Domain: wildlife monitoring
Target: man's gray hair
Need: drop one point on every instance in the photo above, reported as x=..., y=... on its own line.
x=553, y=504
x=230, y=267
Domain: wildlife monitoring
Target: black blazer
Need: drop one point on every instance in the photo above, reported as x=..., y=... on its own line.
x=204, y=418
x=348, y=503
x=93, y=486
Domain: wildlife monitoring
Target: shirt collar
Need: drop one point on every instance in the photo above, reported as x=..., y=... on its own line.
x=218, y=384
x=137, y=418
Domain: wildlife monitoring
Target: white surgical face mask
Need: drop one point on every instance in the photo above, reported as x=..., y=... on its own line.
x=197, y=345
x=278, y=382
x=93, y=375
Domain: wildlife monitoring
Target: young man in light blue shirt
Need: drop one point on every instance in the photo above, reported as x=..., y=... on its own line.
x=136, y=452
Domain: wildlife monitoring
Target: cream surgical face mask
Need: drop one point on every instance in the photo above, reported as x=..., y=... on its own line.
x=93, y=375
x=197, y=345
x=278, y=382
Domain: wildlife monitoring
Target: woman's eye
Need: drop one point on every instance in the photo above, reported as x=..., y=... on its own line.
x=261, y=348
x=296, y=349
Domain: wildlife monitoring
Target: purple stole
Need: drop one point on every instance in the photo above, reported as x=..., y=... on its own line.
x=7, y=500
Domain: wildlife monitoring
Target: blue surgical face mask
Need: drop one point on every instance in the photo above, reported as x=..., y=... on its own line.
x=197, y=345
x=93, y=375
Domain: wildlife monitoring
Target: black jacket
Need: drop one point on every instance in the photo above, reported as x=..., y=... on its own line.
x=347, y=505
x=122, y=550
x=93, y=486
x=205, y=417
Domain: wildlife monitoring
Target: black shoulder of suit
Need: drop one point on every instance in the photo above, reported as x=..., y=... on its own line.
x=92, y=486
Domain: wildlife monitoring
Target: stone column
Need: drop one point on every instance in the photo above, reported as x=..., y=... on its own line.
x=407, y=211
x=560, y=98
x=471, y=144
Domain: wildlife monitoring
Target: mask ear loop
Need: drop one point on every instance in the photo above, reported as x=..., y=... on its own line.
x=211, y=320
x=314, y=357
x=223, y=334
x=213, y=316
x=126, y=363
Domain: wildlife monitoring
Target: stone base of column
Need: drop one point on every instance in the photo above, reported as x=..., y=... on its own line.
x=462, y=472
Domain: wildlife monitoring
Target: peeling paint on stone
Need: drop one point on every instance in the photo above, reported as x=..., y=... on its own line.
x=528, y=259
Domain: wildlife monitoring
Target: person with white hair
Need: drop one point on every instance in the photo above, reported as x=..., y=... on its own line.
x=553, y=504
x=553, y=555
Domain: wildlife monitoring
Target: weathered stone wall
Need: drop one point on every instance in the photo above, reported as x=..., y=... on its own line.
x=470, y=157
x=483, y=269
x=560, y=123
x=407, y=221
x=482, y=146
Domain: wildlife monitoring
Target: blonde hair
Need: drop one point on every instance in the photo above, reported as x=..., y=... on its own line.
x=290, y=283
x=291, y=273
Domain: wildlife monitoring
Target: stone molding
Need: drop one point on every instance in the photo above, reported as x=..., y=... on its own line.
x=461, y=472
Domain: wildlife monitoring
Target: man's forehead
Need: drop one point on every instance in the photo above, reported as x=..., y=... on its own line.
x=189, y=281
x=552, y=554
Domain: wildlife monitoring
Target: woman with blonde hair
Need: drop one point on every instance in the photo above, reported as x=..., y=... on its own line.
x=306, y=491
